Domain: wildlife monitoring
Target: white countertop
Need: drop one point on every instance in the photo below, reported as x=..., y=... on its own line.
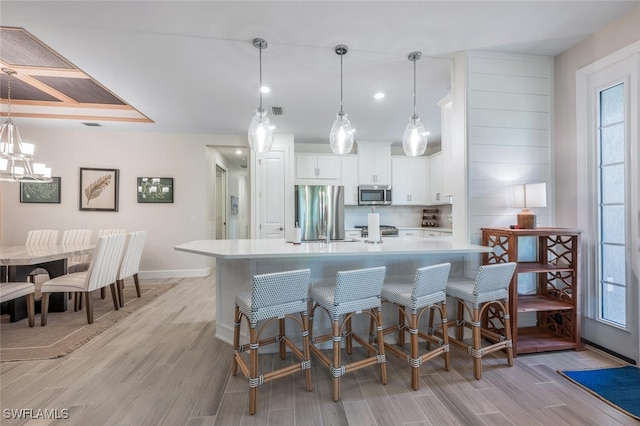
x=275, y=248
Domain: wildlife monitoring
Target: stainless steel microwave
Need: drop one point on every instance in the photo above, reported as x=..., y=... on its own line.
x=374, y=195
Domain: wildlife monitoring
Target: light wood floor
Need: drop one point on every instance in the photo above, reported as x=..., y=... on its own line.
x=163, y=366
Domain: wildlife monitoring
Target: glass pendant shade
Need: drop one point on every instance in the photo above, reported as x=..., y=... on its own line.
x=414, y=140
x=260, y=132
x=341, y=135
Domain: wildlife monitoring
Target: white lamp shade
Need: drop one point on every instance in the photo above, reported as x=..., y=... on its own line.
x=341, y=135
x=260, y=132
x=529, y=195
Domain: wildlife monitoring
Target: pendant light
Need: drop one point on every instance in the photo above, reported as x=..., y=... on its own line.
x=341, y=135
x=16, y=157
x=260, y=130
x=414, y=140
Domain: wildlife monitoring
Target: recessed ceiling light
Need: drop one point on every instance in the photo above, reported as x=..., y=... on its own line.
x=239, y=152
x=379, y=95
x=265, y=89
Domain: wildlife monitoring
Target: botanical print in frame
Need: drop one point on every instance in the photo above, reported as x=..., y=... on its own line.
x=99, y=189
x=40, y=192
x=155, y=190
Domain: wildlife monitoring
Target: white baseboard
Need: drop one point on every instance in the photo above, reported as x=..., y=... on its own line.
x=175, y=273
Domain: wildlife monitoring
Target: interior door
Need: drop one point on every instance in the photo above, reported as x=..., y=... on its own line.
x=272, y=194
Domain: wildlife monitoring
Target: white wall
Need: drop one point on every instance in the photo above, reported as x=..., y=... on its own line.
x=610, y=39
x=508, y=135
x=180, y=156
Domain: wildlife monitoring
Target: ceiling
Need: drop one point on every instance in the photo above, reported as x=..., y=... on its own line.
x=190, y=67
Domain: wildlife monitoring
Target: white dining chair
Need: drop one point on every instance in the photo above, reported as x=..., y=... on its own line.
x=13, y=290
x=40, y=237
x=130, y=264
x=102, y=272
x=72, y=237
x=109, y=231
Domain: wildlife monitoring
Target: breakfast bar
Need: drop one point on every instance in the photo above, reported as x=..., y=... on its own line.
x=237, y=261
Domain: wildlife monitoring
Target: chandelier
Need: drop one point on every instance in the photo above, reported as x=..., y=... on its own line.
x=16, y=157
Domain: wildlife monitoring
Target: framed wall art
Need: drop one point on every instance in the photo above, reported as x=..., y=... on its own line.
x=155, y=190
x=99, y=189
x=47, y=192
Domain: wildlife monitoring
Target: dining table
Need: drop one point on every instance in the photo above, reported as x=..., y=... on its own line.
x=17, y=262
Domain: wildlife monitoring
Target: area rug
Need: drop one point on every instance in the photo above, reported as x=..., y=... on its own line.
x=617, y=386
x=67, y=331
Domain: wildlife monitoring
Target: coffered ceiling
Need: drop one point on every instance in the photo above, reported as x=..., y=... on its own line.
x=190, y=66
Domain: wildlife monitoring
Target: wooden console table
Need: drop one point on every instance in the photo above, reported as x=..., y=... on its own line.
x=556, y=301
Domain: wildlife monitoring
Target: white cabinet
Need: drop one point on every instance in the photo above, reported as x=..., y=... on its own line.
x=317, y=167
x=410, y=180
x=374, y=163
x=410, y=233
x=436, y=181
x=349, y=179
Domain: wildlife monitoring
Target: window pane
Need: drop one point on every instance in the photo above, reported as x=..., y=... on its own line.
x=612, y=144
x=612, y=105
x=613, y=264
x=613, y=224
x=613, y=184
x=613, y=304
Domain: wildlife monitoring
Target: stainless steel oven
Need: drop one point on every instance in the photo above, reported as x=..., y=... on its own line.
x=374, y=195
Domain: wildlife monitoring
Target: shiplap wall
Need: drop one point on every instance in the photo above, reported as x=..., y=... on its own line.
x=509, y=101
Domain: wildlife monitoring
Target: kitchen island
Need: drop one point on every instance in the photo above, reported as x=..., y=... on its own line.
x=237, y=261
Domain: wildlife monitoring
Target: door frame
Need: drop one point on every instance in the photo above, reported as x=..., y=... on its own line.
x=623, y=341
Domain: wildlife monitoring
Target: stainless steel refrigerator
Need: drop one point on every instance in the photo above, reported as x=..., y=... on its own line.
x=320, y=210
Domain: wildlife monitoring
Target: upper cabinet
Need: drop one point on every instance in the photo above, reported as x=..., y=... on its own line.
x=317, y=168
x=410, y=180
x=374, y=163
x=349, y=179
x=436, y=180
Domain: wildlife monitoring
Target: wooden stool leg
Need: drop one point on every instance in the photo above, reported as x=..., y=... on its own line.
x=431, y=326
x=415, y=370
x=335, y=331
x=445, y=335
x=349, y=336
x=283, y=349
x=305, y=348
x=476, y=339
x=507, y=332
x=400, y=327
x=236, y=340
x=253, y=367
x=383, y=366
x=459, y=322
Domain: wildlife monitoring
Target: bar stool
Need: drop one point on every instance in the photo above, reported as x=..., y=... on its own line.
x=273, y=296
x=426, y=293
x=356, y=291
x=490, y=289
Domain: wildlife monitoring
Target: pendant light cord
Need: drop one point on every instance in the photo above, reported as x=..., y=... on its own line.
x=341, y=109
x=260, y=88
x=9, y=73
x=414, y=88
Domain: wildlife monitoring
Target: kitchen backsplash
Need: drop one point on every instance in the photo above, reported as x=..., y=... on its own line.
x=398, y=216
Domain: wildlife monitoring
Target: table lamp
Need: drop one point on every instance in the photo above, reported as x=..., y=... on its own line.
x=525, y=196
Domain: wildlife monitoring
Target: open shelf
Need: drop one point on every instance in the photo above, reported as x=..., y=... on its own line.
x=534, y=339
x=525, y=267
x=535, y=303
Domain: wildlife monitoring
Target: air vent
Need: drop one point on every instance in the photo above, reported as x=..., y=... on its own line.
x=92, y=124
x=276, y=110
